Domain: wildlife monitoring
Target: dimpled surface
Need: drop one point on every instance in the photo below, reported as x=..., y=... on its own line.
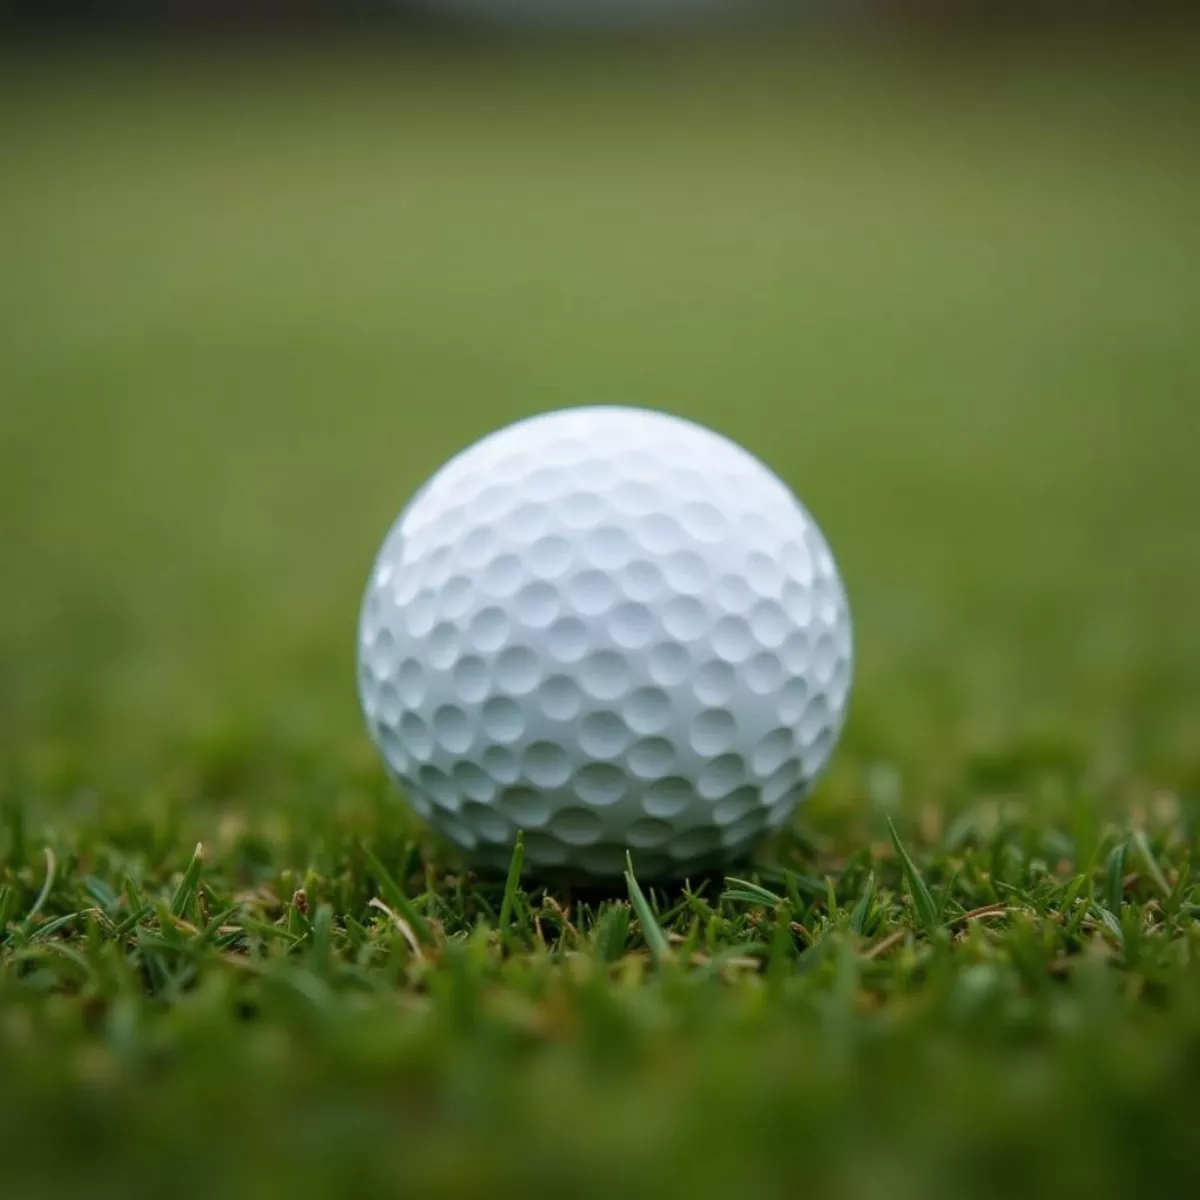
x=613, y=630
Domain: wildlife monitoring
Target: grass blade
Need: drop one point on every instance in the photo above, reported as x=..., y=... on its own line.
x=134, y=918
x=750, y=893
x=213, y=928
x=1115, y=891
x=397, y=899
x=44, y=931
x=8, y=903
x=947, y=892
x=923, y=902
x=185, y=893
x=168, y=930
x=796, y=883
x=102, y=894
x=512, y=883
x=1110, y=922
x=862, y=910
x=656, y=940
x=44, y=894
x=264, y=930
x=1152, y=868
x=611, y=932
x=831, y=904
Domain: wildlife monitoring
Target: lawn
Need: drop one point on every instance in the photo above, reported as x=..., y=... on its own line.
x=249, y=302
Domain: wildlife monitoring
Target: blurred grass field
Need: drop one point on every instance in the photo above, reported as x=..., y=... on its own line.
x=248, y=305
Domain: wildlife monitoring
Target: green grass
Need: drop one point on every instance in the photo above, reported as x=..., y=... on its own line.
x=246, y=308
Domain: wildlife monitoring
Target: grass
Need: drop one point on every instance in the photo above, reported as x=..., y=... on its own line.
x=248, y=306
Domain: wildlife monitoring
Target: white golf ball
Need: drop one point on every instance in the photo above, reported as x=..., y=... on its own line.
x=613, y=630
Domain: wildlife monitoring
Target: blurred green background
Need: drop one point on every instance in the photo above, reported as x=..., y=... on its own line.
x=248, y=305
x=250, y=299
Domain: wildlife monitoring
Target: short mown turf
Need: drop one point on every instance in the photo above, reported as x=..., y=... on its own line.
x=248, y=305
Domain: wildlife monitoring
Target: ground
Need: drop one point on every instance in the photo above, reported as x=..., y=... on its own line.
x=248, y=304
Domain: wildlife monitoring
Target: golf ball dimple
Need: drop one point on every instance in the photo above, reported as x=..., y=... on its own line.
x=613, y=630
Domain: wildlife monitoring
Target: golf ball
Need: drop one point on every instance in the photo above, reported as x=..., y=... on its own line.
x=613, y=630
